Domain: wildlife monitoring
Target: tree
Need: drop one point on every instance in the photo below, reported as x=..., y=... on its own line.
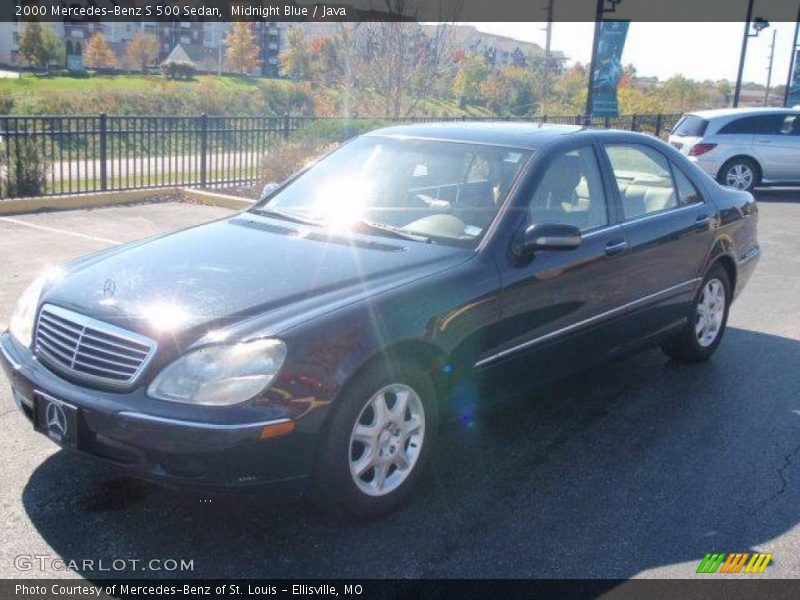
x=241, y=51
x=98, y=54
x=511, y=89
x=39, y=45
x=472, y=72
x=142, y=51
x=297, y=54
x=683, y=94
x=393, y=65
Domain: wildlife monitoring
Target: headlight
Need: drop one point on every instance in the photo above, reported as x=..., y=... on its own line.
x=220, y=375
x=22, y=319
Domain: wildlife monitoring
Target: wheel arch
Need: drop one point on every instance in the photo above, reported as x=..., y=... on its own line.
x=749, y=157
x=726, y=262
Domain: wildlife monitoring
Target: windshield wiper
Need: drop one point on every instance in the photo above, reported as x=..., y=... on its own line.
x=391, y=231
x=287, y=216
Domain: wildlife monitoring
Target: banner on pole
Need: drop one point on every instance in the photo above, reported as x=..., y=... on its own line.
x=608, y=68
x=794, y=85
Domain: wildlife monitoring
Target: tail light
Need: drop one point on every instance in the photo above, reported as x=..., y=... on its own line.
x=699, y=149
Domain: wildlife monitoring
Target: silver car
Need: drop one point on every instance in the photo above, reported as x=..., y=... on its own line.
x=742, y=147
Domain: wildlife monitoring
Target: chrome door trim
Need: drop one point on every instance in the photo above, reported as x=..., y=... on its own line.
x=198, y=424
x=599, y=317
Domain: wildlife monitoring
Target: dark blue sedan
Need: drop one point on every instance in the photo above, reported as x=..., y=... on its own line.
x=315, y=340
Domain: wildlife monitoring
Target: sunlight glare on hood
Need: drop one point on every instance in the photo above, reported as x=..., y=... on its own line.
x=166, y=316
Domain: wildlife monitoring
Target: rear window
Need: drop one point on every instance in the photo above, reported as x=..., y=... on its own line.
x=690, y=126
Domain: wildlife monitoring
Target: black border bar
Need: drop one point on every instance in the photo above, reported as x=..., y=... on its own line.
x=390, y=10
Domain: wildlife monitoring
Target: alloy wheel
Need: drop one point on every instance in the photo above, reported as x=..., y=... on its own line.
x=710, y=313
x=739, y=176
x=387, y=439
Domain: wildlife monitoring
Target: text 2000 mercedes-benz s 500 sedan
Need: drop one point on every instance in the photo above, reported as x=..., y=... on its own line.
x=312, y=339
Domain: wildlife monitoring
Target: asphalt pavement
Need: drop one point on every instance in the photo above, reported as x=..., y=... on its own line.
x=633, y=469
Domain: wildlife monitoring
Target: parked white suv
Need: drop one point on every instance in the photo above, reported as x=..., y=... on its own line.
x=743, y=147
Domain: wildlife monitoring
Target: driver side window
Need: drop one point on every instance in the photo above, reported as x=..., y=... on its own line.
x=571, y=192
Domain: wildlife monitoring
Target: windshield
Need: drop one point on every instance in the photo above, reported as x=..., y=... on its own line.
x=439, y=191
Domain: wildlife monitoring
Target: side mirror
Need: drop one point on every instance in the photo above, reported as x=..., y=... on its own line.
x=268, y=189
x=547, y=236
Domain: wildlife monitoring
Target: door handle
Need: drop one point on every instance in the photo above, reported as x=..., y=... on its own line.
x=763, y=141
x=702, y=222
x=615, y=247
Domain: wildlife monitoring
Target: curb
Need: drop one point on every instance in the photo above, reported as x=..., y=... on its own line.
x=17, y=206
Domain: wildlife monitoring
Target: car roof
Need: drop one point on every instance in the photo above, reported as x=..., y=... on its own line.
x=529, y=136
x=719, y=113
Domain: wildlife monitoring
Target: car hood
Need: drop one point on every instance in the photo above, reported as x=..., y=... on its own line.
x=226, y=271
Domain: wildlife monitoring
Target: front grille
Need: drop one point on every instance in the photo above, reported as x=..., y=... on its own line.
x=89, y=349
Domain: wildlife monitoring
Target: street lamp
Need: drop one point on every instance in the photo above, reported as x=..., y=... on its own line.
x=759, y=25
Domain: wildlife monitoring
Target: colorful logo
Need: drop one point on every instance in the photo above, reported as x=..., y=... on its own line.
x=734, y=563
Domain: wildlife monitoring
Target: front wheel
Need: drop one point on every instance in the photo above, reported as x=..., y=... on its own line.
x=378, y=441
x=703, y=333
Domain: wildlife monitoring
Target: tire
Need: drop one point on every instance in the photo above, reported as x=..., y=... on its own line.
x=740, y=173
x=703, y=334
x=386, y=442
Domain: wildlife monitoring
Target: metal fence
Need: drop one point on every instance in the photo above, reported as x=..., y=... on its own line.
x=77, y=154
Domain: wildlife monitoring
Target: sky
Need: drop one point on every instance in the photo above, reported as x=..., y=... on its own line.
x=696, y=50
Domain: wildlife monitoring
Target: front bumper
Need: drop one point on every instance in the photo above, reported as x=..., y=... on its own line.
x=128, y=432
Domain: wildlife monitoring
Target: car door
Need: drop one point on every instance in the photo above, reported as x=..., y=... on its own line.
x=668, y=226
x=552, y=302
x=777, y=146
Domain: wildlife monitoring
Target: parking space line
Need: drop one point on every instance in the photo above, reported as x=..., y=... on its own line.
x=62, y=231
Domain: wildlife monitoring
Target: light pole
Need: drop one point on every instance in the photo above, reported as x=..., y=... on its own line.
x=769, y=69
x=758, y=25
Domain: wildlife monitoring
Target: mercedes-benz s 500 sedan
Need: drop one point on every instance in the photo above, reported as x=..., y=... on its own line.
x=314, y=340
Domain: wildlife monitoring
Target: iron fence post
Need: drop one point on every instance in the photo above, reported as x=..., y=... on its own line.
x=286, y=126
x=203, y=150
x=658, y=125
x=103, y=155
x=633, y=122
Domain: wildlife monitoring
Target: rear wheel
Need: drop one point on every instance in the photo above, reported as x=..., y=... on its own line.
x=378, y=442
x=740, y=173
x=703, y=333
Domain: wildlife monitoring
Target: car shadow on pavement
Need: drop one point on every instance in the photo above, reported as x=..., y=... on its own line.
x=642, y=464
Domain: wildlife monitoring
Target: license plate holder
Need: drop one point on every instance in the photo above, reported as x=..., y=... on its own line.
x=57, y=419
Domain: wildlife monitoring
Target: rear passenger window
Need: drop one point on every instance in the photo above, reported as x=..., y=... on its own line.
x=643, y=178
x=687, y=192
x=759, y=125
x=571, y=192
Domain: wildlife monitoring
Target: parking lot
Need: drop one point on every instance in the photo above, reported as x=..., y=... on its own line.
x=634, y=469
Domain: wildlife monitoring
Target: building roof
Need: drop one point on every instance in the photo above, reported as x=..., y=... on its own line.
x=178, y=54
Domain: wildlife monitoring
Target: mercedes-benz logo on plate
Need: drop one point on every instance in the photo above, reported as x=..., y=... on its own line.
x=56, y=419
x=109, y=288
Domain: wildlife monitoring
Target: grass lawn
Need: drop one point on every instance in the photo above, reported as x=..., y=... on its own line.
x=40, y=84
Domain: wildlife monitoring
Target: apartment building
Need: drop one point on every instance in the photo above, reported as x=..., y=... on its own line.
x=203, y=41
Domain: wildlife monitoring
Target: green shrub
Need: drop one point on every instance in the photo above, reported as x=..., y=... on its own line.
x=178, y=70
x=335, y=130
x=288, y=158
x=26, y=171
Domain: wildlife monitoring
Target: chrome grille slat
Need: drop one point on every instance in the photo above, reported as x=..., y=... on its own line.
x=60, y=325
x=67, y=359
x=92, y=350
x=88, y=335
x=59, y=336
x=100, y=354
